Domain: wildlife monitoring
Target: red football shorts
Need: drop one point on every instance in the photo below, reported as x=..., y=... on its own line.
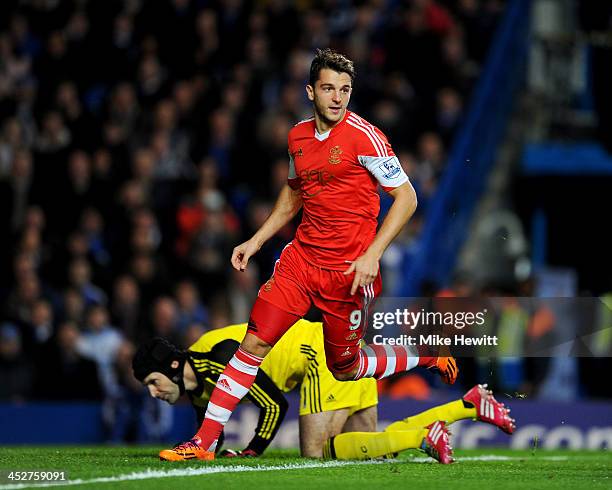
x=294, y=286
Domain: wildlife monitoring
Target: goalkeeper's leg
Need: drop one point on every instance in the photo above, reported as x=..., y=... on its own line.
x=432, y=440
x=477, y=404
x=449, y=412
x=368, y=445
x=320, y=435
x=316, y=428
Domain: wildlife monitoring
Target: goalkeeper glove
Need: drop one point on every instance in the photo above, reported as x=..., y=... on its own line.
x=230, y=453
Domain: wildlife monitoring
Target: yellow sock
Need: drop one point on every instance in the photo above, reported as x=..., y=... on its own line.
x=450, y=412
x=367, y=445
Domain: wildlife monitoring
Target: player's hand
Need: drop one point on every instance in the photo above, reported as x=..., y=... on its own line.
x=248, y=453
x=230, y=453
x=243, y=252
x=365, y=269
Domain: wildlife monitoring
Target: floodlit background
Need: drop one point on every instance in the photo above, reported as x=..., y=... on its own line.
x=140, y=141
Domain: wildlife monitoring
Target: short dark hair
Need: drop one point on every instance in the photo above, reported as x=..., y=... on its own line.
x=157, y=355
x=327, y=58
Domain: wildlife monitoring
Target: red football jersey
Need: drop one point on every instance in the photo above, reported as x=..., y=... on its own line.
x=338, y=173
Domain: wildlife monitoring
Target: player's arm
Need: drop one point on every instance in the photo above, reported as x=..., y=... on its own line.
x=286, y=207
x=403, y=207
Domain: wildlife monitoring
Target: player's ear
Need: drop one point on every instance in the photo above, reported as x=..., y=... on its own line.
x=174, y=364
x=310, y=92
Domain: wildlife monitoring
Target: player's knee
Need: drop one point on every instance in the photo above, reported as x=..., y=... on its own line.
x=342, y=360
x=343, y=370
x=256, y=346
x=312, y=451
x=343, y=376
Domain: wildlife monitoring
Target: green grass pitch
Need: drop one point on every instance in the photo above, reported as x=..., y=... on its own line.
x=138, y=467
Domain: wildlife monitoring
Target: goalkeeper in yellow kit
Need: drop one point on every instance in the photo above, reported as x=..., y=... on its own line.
x=336, y=419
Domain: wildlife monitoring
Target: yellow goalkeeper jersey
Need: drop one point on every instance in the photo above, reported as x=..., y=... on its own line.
x=299, y=357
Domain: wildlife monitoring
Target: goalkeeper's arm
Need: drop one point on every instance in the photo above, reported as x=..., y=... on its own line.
x=273, y=408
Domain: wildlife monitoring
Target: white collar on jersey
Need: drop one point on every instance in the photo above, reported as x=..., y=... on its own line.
x=322, y=136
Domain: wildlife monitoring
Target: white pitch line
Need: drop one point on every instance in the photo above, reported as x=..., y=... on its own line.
x=150, y=474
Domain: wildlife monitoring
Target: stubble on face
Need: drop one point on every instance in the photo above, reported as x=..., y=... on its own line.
x=330, y=97
x=162, y=388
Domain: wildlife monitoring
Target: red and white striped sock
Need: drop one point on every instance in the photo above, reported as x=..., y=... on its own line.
x=380, y=361
x=233, y=384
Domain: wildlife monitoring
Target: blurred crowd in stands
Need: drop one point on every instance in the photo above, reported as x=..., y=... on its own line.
x=140, y=141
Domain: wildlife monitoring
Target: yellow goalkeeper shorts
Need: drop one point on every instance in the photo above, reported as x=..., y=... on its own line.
x=321, y=392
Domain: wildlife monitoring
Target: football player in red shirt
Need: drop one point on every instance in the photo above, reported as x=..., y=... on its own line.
x=336, y=161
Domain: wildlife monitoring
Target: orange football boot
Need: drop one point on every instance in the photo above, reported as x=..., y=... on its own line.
x=187, y=451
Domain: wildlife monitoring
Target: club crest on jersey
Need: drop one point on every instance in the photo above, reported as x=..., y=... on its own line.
x=298, y=153
x=334, y=155
x=390, y=169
